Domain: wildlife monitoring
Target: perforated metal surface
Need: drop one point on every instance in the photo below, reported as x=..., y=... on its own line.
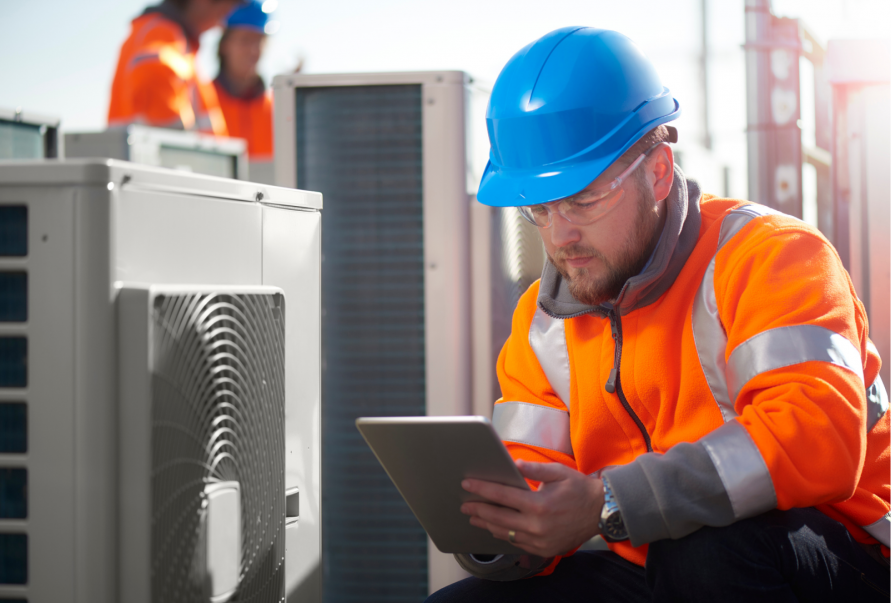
x=217, y=415
x=522, y=254
x=361, y=147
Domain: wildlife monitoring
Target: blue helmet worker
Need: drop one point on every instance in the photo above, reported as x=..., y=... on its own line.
x=244, y=99
x=691, y=379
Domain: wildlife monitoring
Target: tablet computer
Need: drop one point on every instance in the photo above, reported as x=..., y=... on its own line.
x=427, y=457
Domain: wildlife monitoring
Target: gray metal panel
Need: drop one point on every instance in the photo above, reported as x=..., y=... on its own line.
x=183, y=238
x=95, y=426
x=292, y=261
x=197, y=152
x=50, y=396
x=159, y=180
x=134, y=459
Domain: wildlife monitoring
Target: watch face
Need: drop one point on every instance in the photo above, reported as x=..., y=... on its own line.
x=614, y=527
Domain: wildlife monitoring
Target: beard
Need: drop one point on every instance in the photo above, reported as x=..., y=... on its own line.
x=626, y=261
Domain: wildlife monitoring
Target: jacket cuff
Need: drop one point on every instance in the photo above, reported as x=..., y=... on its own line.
x=637, y=503
x=670, y=495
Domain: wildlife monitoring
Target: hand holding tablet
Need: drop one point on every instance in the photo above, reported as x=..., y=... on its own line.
x=428, y=457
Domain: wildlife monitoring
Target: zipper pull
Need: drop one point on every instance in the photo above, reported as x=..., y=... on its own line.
x=611, y=382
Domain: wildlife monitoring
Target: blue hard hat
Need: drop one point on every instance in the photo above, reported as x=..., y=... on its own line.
x=563, y=109
x=249, y=15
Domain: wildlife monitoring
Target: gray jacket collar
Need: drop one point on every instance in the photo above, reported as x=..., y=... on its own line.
x=679, y=236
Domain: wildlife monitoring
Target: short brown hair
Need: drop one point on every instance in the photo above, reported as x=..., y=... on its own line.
x=646, y=142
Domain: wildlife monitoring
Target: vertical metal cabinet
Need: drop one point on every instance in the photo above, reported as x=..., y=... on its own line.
x=100, y=261
x=26, y=135
x=417, y=292
x=161, y=147
x=861, y=154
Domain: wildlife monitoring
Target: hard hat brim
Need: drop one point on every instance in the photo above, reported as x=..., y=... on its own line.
x=502, y=187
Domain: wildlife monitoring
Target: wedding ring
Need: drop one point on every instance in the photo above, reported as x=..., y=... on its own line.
x=511, y=536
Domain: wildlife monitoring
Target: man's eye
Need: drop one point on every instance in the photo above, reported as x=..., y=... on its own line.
x=590, y=201
x=583, y=205
x=539, y=210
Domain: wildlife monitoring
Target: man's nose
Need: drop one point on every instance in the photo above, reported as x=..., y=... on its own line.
x=563, y=232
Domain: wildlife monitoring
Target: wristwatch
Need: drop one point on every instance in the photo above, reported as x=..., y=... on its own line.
x=612, y=527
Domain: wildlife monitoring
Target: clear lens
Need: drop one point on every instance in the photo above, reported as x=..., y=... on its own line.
x=585, y=207
x=538, y=215
x=587, y=212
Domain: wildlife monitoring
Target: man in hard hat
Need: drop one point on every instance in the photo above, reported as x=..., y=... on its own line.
x=691, y=378
x=155, y=82
x=246, y=104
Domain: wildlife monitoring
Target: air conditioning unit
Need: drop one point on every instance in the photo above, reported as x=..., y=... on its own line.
x=418, y=281
x=159, y=386
x=861, y=154
x=26, y=135
x=161, y=147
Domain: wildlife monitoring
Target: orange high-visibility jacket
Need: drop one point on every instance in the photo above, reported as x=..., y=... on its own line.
x=731, y=377
x=155, y=82
x=248, y=117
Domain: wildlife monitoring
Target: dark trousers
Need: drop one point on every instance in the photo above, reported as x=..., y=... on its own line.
x=796, y=555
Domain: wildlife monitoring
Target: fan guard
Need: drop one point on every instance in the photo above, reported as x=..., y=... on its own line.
x=218, y=394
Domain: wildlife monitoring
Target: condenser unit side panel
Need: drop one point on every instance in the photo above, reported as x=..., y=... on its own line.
x=362, y=148
x=39, y=379
x=447, y=275
x=95, y=422
x=292, y=261
x=112, y=144
x=183, y=238
x=134, y=443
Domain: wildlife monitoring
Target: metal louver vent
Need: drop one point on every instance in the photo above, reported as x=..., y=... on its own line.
x=361, y=147
x=217, y=441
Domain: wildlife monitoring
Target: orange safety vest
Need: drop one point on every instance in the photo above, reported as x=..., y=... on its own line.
x=155, y=82
x=740, y=354
x=248, y=117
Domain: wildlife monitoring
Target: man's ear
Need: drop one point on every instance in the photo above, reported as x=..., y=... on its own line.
x=662, y=171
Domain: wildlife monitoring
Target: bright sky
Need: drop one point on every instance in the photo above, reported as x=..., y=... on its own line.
x=59, y=55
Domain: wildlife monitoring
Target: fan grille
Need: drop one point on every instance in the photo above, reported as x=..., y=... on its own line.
x=218, y=393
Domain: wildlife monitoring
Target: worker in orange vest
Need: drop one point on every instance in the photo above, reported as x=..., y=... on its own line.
x=244, y=99
x=156, y=82
x=691, y=378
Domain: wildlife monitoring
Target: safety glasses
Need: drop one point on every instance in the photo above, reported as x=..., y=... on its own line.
x=585, y=207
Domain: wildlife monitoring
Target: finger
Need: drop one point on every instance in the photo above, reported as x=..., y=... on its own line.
x=521, y=539
x=507, y=496
x=503, y=518
x=543, y=472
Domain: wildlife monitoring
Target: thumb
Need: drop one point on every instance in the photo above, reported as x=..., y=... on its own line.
x=542, y=472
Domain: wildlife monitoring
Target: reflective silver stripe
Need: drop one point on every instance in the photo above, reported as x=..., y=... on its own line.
x=708, y=332
x=711, y=341
x=533, y=424
x=742, y=469
x=547, y=337
x=876, y=403
x=785, y=346
x=881, y=529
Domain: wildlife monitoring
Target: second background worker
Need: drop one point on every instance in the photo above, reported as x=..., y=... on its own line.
x=244, y=99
